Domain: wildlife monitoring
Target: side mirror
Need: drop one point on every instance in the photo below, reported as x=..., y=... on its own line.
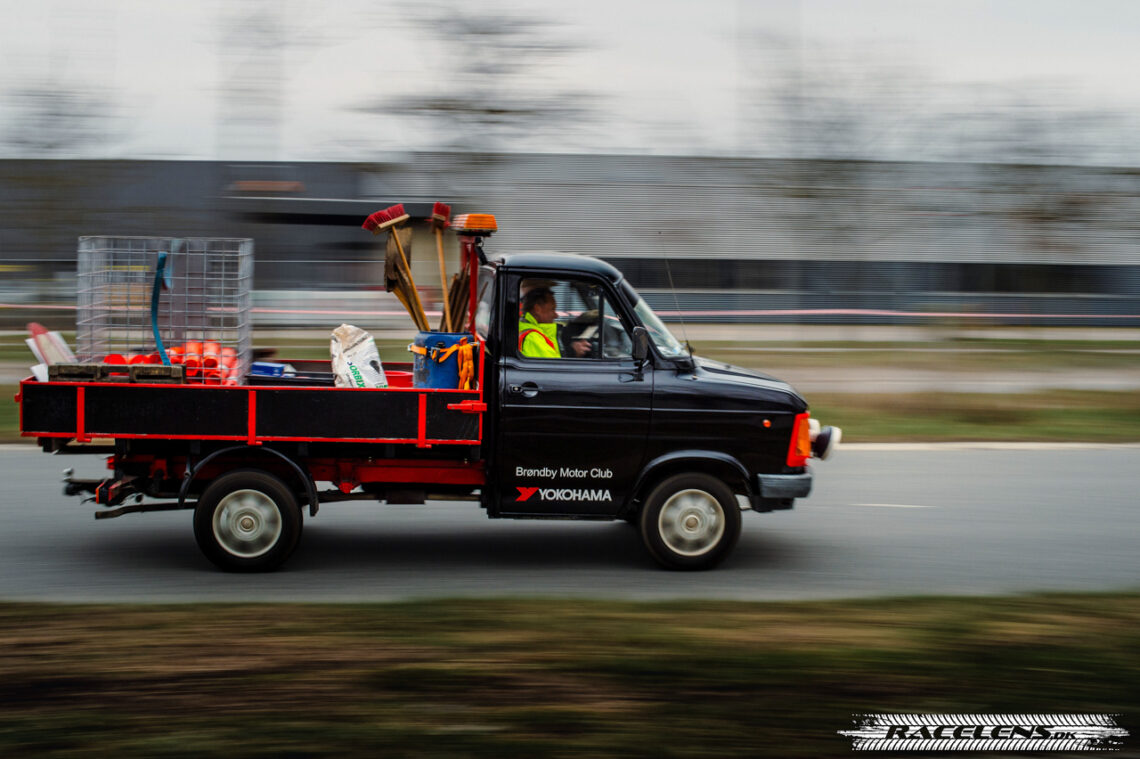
x=640, y=344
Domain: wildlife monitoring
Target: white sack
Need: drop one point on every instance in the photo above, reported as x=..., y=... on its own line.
x=355, y=360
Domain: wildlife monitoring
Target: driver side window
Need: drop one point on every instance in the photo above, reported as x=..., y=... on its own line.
x=569, y=319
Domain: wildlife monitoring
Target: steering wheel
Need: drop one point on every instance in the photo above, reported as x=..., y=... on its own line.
x=573, y=331
x=618, y=342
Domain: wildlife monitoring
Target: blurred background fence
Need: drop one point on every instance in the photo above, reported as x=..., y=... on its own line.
x=742, y=240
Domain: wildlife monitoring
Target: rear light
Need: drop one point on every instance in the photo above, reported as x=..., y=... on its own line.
x=799, y=451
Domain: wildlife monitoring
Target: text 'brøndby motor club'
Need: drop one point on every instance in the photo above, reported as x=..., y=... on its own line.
x=566, y=472
x=563, y=494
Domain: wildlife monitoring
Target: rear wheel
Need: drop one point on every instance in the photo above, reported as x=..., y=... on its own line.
x=690, y=521
x=247, y=521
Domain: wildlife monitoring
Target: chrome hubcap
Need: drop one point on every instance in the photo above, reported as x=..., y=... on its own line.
x=247, y=523
x=691, y=522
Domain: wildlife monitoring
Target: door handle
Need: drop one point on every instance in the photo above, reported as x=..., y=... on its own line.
x=526, y=389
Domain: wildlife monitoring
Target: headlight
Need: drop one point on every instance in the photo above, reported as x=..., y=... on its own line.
x=824, y=441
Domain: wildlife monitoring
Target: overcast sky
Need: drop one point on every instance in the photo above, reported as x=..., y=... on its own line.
x=662, y=76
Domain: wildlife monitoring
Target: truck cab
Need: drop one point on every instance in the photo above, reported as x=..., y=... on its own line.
x=632, y=427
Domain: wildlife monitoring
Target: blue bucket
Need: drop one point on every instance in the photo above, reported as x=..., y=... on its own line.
x=433, y=366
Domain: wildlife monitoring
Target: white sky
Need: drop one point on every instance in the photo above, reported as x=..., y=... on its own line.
x=672, y=76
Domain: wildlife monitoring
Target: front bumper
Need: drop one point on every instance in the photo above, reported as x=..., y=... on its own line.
x=779, y=491
x=784, y=485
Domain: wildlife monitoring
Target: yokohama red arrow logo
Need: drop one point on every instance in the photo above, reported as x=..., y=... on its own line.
x=525, y=493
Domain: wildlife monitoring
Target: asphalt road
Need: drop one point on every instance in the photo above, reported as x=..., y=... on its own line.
x=882, y=522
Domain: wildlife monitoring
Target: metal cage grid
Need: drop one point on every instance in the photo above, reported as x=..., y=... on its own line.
x=206, y=298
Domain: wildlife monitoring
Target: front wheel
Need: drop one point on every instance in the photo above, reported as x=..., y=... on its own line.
x=247, y=521
x=690, y=521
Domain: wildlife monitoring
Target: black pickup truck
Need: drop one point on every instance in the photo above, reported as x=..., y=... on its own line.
x=622, y=424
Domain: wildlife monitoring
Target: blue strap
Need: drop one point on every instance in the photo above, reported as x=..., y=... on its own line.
x=159, y=281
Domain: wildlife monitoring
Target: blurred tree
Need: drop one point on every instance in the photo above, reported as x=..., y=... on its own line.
x=863, y=102
x=493, y=91
x=253, y=41
x=1027, y=123
x=823, y=102
x=58, y=120
x=262, y=45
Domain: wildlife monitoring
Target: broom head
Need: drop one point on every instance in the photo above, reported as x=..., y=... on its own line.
x=384, y=218
x=440, y=215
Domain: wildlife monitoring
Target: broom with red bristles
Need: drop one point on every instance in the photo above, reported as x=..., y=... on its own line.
x=405, y=289
x=440, y=219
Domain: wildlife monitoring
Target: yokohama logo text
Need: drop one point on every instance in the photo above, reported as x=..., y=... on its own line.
x=563, y=494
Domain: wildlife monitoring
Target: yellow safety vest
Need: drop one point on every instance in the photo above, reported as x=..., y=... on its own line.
x=537, y=340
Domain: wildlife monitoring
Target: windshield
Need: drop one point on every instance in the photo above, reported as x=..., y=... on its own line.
x=667, y=345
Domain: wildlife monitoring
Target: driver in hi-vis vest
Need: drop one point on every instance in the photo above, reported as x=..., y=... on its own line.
x=538, y=334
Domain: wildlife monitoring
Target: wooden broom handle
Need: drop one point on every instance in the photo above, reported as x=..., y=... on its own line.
x=443, y=280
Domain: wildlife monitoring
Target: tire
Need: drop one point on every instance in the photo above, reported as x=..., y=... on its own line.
x=247, y=521
x=690, y=521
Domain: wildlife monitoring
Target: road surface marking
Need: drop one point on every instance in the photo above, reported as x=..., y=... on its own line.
x=896, y=505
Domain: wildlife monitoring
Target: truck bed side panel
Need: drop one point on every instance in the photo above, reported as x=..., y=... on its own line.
x=445, y=424
x=246, y=413
x=336, y=414
x=364, y=415
x=158, y=411
x=46, y=408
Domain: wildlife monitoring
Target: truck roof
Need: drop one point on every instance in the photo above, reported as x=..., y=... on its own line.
x=558, y=261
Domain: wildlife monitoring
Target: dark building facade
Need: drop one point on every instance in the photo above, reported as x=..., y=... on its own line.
x=717, y=239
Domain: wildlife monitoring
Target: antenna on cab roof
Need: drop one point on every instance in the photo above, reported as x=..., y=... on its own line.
x=677, y=303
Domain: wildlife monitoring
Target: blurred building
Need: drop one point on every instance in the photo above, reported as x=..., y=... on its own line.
x=741, y=240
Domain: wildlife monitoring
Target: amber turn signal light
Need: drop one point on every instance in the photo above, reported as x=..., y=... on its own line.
x=799, y=451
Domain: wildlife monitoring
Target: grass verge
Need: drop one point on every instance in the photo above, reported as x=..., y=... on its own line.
x=1047, y=416
x=952, y=357
x=10, y=415
x=544, y=678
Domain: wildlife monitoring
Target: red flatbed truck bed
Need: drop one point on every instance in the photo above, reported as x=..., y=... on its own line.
x=175, y=441
x=253, y=414
x=343, y=423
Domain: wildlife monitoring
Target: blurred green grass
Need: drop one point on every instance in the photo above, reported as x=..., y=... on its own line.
x=1046, y=416
x=954, y=356
x=10, y=415
x=544, y=678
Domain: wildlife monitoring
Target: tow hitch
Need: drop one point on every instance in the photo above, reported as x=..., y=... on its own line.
x=73, y=486
x=107, y=492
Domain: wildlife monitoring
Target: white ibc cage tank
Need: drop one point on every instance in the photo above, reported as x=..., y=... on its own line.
x=205, y=297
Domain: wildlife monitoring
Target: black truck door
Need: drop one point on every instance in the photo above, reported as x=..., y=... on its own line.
x=574, y=413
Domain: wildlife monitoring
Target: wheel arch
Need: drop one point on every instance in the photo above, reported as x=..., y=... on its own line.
x=723, y=466
x=302, y=477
